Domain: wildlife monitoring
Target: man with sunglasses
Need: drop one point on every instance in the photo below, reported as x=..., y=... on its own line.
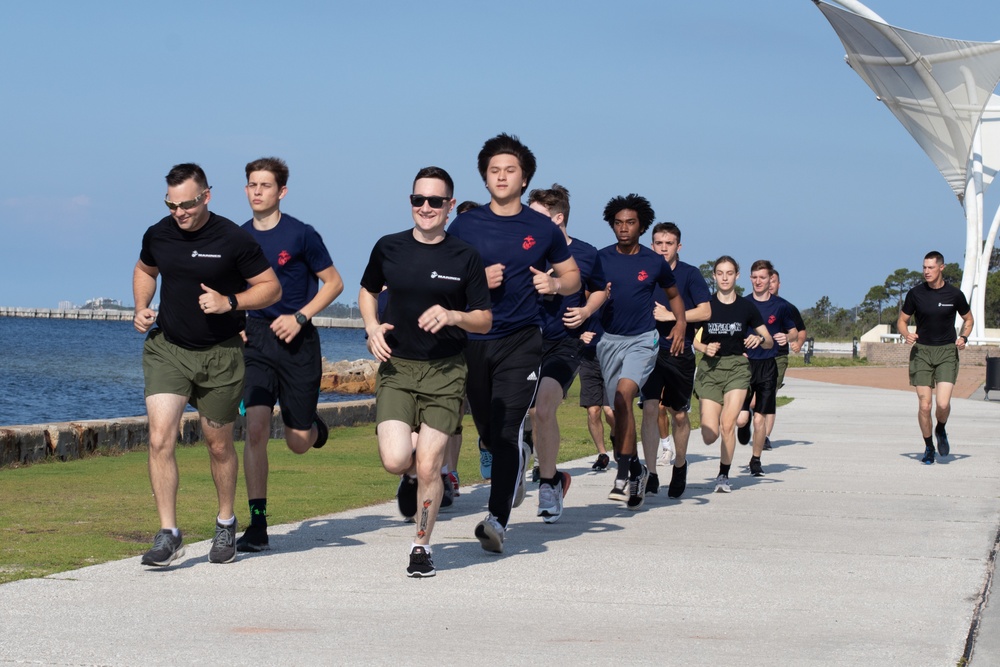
x=517, y=245
x=210, y=271
x=283, y=360
x=436, y=293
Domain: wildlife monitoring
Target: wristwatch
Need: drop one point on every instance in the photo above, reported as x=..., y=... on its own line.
x=965, y=338
x=233, y=303
x=300, y=318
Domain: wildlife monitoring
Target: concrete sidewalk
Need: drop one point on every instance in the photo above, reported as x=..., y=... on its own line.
x=848, y=552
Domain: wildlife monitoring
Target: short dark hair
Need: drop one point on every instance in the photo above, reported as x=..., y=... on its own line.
x=275, y=165
x=633, y=202
x=507, y=144
x=667, y=228
x=182, y=172
x=762, y=264
x=438, y=173
x=556, y=199
x=723, y=260
x=934, y=254
x=467, y=205
x=774, y=272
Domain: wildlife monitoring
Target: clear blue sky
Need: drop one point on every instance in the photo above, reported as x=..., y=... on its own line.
x=738, y=120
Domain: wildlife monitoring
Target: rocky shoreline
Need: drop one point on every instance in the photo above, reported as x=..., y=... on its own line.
x=64, y=441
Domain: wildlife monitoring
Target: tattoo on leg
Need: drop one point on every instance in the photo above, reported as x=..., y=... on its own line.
x=422, y=532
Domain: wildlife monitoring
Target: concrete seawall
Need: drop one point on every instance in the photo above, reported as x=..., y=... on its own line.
x=126, y=316
x=64, y=441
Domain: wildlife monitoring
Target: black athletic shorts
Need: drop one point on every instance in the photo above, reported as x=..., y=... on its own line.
x=592, y=390
x=561, y=360
x=672, y=380
x=763, y=385
x=286, y=373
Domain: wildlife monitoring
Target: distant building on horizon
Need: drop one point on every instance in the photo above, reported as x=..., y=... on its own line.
x=66, y=305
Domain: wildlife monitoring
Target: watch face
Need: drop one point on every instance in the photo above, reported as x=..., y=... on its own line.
x=300, y=318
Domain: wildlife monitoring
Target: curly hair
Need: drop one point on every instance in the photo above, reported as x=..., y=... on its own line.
x=633, y=202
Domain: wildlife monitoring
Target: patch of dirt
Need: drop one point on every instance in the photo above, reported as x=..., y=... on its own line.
x=970, y=378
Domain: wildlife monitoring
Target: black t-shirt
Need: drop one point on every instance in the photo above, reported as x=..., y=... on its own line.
x=220, y=255
x=935, y=311
x=420, y=275
x=730, y=324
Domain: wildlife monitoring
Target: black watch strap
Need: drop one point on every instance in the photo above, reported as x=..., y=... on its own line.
x=300, y=318
x=233, y=303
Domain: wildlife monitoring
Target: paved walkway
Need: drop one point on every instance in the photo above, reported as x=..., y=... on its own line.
x=848, y=552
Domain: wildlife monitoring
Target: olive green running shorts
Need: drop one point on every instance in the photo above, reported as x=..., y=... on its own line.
x=930, y=364
x=421, y=392
x=719, y=375
x=212, y=379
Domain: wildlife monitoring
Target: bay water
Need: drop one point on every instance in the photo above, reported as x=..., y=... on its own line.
x=67, y=370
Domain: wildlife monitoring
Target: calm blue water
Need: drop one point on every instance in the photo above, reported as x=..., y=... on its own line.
x=63, y=370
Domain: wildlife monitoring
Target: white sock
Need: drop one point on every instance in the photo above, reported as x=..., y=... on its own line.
x=425, y=547
x=228, y=522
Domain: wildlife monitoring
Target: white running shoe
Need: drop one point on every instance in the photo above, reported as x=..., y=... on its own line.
x=550, y=498
x=722, y=484
x=490, y=534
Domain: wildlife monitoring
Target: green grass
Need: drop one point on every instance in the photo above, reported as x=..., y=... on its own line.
x=796, y=361
x=60, y=516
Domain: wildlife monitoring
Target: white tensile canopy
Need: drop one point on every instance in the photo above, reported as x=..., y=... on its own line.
x=942, y=91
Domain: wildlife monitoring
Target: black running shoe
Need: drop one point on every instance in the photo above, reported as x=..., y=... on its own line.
x=653, y=483
x=637, y=489
x=755, y=468
x=767, y=444
x=253, y=539
x=406, y=497
x=223, y=544
x=928, y=456
x=322, y=432
x=943, y=447
x=743, y=434
x=601, y=463
x=678, y=481
x=421, y=564
x=620, y=490
x=449, y=492
x=166, y=549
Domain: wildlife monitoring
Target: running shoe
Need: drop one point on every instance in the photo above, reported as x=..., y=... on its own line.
x=485, y=462
x=223, y=544
x=253, y=539
x=166, y=549
x=490, y=534
x=550, y=498
x=448, y=495
x=601, y=463
x=406, y=497
x=767, y=444
x=620, y=490
x=421, y=564
x=455, y=485
x=653, y=483
x=678, y=481
x=637, y=489
x=322, y=432
x=521, y=488
x=669, y=451
x=928, y=456
x=722, y=484
x=755, y=468
x=743, y=434
x=942, y=438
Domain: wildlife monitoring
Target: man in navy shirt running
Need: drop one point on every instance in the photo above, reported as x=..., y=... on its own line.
x=517, y=246
x=627, y=350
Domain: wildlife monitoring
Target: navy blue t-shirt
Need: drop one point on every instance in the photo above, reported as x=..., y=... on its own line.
x=296, y=253
x=694, y=291
x=516, y=241
x=777, y=318
x=799, y=324
x=634, y=280
x=591, y=280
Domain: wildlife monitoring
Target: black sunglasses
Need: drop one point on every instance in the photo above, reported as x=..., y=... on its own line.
x=189, y=204
x=435, y=202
